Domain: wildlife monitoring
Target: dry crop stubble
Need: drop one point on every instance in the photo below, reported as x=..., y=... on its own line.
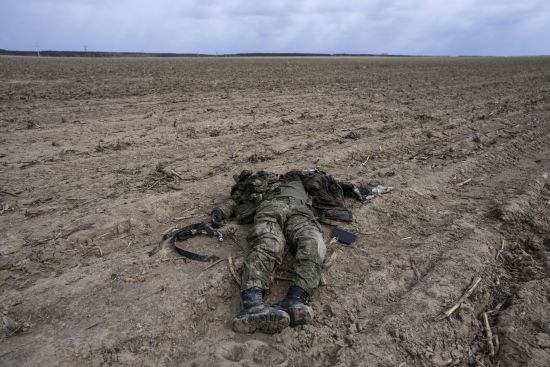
x=100, y=156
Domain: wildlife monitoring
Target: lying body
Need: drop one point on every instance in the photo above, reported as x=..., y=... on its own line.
x=286, y=211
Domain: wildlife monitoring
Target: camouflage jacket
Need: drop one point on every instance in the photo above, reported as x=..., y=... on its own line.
x=326, y=195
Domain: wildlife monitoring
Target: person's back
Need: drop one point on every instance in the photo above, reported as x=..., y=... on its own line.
x=294, y=189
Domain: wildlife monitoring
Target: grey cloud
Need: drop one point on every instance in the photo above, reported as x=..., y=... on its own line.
x=488, y=27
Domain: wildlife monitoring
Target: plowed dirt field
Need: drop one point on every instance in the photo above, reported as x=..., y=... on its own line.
x=99, y=157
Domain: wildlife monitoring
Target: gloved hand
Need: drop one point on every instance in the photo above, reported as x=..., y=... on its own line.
x=217, y=218
x=362, y=193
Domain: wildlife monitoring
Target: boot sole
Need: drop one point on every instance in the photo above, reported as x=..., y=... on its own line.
x=269, y=321
x=300, y=315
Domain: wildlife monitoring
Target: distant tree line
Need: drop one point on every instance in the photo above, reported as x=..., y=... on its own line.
x=164, y=54
x=94, y=54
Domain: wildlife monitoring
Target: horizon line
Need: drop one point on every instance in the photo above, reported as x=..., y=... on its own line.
x=74, y=53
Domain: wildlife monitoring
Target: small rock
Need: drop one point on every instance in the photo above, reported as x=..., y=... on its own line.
x=543, y=340
x=456, y=354
x=386, y=173
x=9, y=323
x=329, y=309
x=123, y=227
x=352, y=135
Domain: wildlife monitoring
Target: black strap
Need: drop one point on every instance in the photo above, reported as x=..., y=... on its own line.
x=185, y=233
x=195, y=256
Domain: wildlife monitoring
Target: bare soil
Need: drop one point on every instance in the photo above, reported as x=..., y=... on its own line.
x=98, y=157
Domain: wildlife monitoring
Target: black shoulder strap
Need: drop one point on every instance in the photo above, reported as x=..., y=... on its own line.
x=185, y=233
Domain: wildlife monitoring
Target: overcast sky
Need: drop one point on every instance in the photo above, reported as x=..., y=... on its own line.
x=422, y=27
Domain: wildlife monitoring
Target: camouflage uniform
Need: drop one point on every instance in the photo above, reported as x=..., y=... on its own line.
x=284, y=211
x=279, y=221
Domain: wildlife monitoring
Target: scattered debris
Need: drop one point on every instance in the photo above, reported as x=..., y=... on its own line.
x=32, y=125
x=257, y=157
x=469, y=291
x=8, y=193
x=78, y=228
x=27, y=164
x=174, y=173
x=330, y=260
x=175, y=188
x=94, y=325
x=212, y=265
x=4, y=208
x=499, y=252
x=366, y=233
x=489, y=334
x=118, y=145
x=415, y=270
x=464, y=182
x=352, y=135
x=381, y=190
x=386, y=173
x=232, y=270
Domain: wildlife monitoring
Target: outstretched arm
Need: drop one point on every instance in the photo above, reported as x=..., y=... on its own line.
x=351, y=190
x=225, y=210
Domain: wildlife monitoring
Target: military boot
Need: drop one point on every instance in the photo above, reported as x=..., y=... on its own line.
x=255, y=315
x=294, y=305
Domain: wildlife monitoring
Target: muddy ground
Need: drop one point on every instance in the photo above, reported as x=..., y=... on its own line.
x=98, y=157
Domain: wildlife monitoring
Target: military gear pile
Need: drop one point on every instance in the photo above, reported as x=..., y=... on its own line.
x=327, y=196
x=323, y=192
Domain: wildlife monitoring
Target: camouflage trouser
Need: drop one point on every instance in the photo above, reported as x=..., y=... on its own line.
x=278, y=222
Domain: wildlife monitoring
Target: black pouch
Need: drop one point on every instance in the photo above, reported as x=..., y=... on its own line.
x=343, y=236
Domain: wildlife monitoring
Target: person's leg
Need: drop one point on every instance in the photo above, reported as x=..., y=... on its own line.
x=267, y=242
x=304, y=234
